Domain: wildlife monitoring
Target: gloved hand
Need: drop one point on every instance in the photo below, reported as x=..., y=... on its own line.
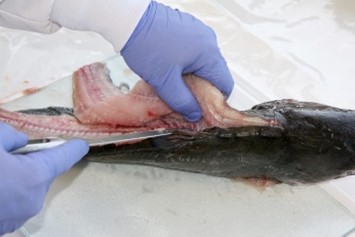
x=168, y=43
x=25, y=179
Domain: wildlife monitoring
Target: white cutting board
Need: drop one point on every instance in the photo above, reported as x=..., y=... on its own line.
x=275, y=50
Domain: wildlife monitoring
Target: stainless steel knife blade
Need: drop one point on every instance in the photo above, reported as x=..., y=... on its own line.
x=45, y=143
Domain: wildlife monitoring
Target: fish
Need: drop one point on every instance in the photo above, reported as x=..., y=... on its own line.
x=286, y=141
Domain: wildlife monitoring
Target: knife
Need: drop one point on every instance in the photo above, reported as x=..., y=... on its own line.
x=49, y=142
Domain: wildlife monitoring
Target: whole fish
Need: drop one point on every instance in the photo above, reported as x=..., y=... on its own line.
x=311, y=143
x=286, y=140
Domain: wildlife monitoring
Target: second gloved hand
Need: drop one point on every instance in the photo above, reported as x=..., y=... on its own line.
x=25, y=179
x=168, y=43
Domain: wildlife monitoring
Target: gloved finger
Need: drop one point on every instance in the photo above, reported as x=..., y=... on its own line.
x=61, y=158
x=7, y=227
x=178, y=96
x=10, y=138
x=218, y=74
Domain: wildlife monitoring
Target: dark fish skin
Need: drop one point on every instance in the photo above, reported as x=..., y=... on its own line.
x=309, y=143
x=49, y=111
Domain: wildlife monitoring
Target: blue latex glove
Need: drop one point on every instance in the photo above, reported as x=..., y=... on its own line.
x=25, y=179
x=168, y=43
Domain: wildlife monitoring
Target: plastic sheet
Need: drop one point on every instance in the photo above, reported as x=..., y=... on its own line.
x=275, y=49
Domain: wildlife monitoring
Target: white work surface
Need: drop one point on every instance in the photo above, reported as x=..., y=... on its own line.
x=275, y=49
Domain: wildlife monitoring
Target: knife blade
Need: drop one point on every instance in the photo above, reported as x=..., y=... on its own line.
x=49, y=142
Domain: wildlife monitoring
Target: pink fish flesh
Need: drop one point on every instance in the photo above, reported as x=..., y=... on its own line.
x=101, y=109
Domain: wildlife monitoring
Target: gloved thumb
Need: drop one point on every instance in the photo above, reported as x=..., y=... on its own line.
x=10, y=139
x=61, y=158
x=177, y=95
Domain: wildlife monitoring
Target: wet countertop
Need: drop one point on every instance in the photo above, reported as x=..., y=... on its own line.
x=275, y=49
